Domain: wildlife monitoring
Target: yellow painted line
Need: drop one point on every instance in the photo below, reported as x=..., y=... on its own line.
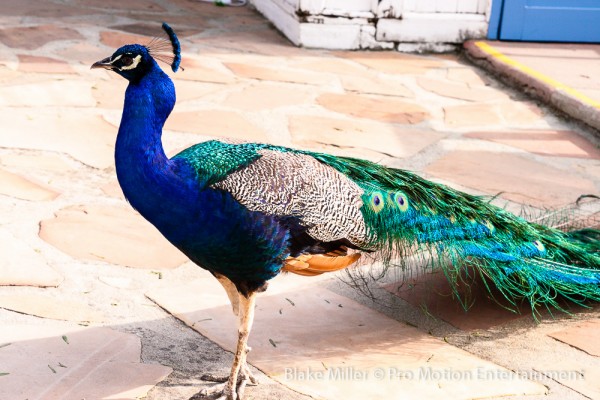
x=492, y=51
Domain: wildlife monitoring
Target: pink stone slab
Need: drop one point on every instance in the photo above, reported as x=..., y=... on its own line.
x=582, y=379
x=23, y=188
x=129, y=6
x=393, y=62
x=544, y=142
x=432, y=293
x=466, y=75
x=485, y=114
x=380, y=108
x=97, y=363
x=332, y=65
x=375, y=84
x=20, y=265
x=584, y=335
x=117, y=39
x=518, y=178
x=281, y=74
x=87, y=138
x=394, y=140
x=116, y=235
x=215, y=123
x=328, y=346
x=75, y=93
x=32, y=37
x=460, y=91
x=471, y=115
x=44, y=65
x=198, y=69
x=113, y=189
x=42, y=162
x=52, y=307
x=109, y=93
x=266, y=96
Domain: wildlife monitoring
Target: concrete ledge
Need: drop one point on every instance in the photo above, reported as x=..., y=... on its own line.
x=534, y=86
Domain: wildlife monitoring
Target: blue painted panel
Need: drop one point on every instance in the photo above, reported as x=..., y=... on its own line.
x=551, y=20
x=495, y=19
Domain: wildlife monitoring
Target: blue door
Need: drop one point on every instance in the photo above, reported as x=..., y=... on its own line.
x=547, y=20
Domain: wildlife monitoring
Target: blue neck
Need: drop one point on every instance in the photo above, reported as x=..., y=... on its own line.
x=148, y=178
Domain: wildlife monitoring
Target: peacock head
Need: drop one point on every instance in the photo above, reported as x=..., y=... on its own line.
x=134, y=61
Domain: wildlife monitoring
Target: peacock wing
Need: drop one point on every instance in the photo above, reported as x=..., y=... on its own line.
x=295, y=185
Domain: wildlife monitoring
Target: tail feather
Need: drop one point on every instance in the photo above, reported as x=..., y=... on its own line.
x=406, y=214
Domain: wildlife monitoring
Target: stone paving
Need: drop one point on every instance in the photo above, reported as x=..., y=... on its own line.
x=91, y=296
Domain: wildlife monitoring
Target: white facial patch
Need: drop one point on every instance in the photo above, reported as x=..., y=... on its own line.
x=135, y=62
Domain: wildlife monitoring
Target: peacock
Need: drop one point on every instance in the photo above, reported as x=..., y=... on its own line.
x=247, y=212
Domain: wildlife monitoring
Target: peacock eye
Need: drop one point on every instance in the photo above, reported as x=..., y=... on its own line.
x=401, y=201
x=376, y=201
x=126, y=61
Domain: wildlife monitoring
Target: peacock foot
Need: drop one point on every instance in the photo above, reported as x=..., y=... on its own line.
x=223, y=391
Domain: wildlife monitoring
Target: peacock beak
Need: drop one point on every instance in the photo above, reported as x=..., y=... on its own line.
x=105, y=63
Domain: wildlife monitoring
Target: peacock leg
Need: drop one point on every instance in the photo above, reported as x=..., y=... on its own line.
x=231, y=291
x=240, y=374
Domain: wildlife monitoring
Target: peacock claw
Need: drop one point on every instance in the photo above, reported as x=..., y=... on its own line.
x=222, y=391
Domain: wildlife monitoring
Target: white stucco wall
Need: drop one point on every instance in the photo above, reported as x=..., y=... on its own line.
x=377, y=24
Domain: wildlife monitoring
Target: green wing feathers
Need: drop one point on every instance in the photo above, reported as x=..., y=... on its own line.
x=406, y=214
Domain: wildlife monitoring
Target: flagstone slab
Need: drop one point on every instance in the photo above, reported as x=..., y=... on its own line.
x=87, y=138
x=73, y=93
x=52, y=307
x=518, y=178
x=556, y=143
x=42, y=9
x=116, y=235
x=44, y=65
x=21, y=265
x=330, y=347
x=460, y=91
x=20, y=187
x=394, y=140
x=65, y=361
x=584, y=335
x=584, y=380
x=215, y=123
x=83, y=53
x=278, y=74
x=112, y=189
x=152, y=29
x=466, y=75
x=42, y=162
x=129, y=6
x=205, y=70
x=393, y=62
x=508, y=113
x=33, y=37
x=115, y=39
x=379, y=108
x=471, y=115
x=268, y=96
x=474, y=309
x=375, y=85
x=519, y=112
x=109, y=93
x=329, y=64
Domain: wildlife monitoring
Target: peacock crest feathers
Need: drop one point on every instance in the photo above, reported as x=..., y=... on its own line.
x=167, y=51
